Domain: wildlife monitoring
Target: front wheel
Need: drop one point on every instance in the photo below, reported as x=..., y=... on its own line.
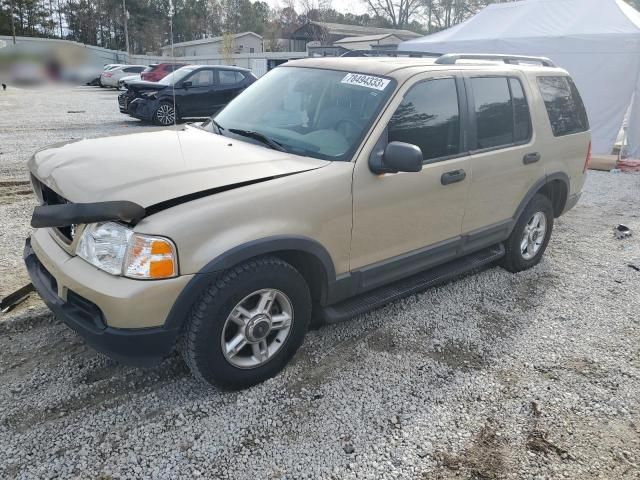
x=248, y=324
x=165, y=114
x=530, y=236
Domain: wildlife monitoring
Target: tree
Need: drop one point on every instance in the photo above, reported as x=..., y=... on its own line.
x=399, y=12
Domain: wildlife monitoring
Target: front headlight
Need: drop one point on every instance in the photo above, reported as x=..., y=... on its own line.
x=150, y=94
x=117, y=250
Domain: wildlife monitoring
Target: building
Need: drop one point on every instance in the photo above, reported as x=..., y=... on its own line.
x=329, y=33
x=386, y=41
x=246, y=42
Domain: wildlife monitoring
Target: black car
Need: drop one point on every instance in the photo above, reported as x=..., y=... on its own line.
x=197, y=91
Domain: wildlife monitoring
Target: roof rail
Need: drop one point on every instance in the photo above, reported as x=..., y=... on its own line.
x=452, y=58
x=389, y=53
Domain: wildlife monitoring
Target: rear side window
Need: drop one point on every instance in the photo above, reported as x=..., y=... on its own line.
x=429, y=117
x=564, y=105
x=502, y=112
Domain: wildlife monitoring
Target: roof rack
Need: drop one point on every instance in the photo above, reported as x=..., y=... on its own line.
x=389, y=53
x=452, y=58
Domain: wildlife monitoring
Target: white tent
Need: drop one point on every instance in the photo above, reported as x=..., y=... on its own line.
x=597, y=41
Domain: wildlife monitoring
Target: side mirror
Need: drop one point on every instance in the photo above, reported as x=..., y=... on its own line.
x=187, y=84
x=397, y=157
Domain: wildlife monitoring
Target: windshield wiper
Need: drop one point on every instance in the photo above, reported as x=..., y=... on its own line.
x=217, y=125
x=260, y=137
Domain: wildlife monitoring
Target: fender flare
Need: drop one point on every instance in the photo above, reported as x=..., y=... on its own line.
x=536, y=187
x=264, y=246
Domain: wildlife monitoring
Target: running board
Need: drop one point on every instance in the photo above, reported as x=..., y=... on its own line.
x=381, y=296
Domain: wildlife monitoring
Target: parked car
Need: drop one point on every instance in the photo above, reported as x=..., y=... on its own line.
x=160, y=70
x=194, y=91
x=329, y=187
x=124, y=81
x=107, y=67
x=109, y=78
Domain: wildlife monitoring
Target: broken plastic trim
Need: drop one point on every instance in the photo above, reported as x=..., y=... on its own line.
x=80, y=213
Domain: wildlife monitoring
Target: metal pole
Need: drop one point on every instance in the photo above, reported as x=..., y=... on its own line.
x=13, y=26
x=126, y=27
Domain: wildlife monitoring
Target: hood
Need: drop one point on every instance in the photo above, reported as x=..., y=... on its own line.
x=155, y=167
x=140, y=85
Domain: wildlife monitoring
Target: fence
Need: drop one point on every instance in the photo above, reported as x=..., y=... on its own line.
x=258, y=63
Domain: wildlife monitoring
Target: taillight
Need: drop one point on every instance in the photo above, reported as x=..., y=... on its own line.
x=108, y=74
x=587, y=160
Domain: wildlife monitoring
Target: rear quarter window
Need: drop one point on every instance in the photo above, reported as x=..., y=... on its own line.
x=564, y=106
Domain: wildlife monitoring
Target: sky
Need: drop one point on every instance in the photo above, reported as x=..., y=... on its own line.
x=356, y=7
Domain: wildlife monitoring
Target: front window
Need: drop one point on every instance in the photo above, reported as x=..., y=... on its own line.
x=175, y=76
x=318, y=113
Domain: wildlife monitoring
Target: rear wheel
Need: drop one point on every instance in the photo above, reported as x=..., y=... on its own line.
x=165, y=114
x=248, y=324
x=530, y=236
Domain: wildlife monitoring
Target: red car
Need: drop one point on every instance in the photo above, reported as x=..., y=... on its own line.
x=158, y=71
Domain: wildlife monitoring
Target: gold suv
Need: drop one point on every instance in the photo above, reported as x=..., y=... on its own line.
x=329, y=187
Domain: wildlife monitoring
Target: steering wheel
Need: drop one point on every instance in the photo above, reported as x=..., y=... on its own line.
x=347, y=128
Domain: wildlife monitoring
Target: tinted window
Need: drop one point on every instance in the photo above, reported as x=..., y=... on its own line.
x=564, y=105
x=202, y=78
x=522, y=117
x=494, y=112
x=429, y=118
x=227, y=77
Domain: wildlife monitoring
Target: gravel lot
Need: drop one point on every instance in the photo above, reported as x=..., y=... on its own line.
x=534, y=375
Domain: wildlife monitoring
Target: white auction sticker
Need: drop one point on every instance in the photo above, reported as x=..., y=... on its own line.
x=368, y=81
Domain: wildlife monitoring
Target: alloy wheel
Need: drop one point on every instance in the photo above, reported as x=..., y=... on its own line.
x=165, y=114
x=533, y=235
x=257, y=328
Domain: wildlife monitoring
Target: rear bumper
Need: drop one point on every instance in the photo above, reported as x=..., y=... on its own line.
x=134, y=346
x=571, y=202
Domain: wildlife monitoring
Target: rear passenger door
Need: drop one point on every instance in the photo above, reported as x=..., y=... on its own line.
x=229, y=85
x=504, y=160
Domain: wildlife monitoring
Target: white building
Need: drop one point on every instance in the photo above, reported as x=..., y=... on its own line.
x=246, y=42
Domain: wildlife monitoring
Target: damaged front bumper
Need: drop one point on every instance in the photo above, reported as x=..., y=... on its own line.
x=105, y=310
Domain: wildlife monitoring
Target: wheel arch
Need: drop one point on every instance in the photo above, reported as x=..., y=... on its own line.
x=307, y=256
x=554, y=186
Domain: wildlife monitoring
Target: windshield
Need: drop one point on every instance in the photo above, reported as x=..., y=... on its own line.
x=318, y=113
x=175, y=76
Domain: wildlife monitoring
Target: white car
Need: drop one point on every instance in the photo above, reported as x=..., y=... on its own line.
x=122, y=83
x=109, y=78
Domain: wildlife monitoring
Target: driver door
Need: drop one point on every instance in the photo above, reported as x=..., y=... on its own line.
x=406, y=222
x=196, y=98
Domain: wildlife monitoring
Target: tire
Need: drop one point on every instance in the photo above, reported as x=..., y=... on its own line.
x=165, y=115
x=211, y=330
x=519, y=255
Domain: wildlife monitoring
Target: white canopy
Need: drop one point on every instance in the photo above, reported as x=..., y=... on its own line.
x=597, y=41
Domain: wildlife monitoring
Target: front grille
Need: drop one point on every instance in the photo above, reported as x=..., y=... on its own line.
x=49, y=197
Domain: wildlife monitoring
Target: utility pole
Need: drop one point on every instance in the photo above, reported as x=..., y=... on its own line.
x=126, y=27
x=13, y=25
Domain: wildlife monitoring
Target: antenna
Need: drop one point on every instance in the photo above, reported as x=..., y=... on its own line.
x=173, y=63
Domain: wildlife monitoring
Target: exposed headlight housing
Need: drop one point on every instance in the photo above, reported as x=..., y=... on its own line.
x=117, y=250
x=151, y=94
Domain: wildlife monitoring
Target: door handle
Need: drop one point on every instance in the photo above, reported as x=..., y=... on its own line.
x=531, y=158
x=453, y=177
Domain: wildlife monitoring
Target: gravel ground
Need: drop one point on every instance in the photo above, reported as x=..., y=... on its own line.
x=527, y=376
